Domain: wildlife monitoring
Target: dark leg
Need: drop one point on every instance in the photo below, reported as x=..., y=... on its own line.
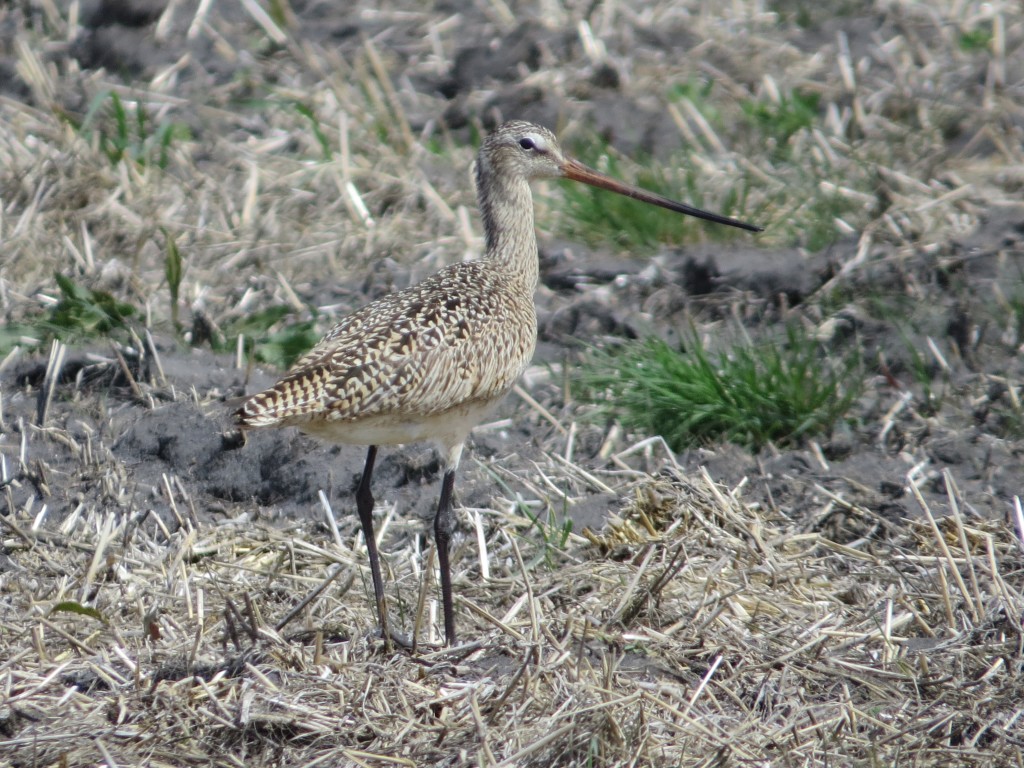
x=364, y=505
x=444, y=524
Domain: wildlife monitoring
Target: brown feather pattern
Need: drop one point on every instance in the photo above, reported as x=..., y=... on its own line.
x=463, y=335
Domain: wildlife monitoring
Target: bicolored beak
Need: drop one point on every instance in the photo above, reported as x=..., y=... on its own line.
x=577, y=171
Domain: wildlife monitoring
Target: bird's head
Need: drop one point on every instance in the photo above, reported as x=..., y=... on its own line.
x=525, y=150
x=518, y=149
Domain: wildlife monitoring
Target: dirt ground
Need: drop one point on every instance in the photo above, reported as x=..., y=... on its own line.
x=855, y=600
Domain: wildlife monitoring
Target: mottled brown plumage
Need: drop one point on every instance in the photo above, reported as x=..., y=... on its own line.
x=461, y=336
x=430, y=362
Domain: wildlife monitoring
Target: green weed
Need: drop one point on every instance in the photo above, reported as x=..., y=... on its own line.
x=819, y=224
x=809, y=15
x=281, y=13
x=326, y=153
x=975, y=40
x=173, y=271
x=698, y=92
x=22, y=335
x=80, y=313
x=924, y=370
x=553, y=533
x=83, y=313
x=269, y=339
x=780, y=391
x=124, y=136
x=262, y=99
x=1009, y=419
x=780, y=121
x=72, y=606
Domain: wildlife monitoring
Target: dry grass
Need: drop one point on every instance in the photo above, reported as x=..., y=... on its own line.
x=698, y=628
x=251, y=194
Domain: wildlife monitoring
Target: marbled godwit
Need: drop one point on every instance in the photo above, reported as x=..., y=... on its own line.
x=432, y=361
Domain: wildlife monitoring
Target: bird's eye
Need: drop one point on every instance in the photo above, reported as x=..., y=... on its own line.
x=527, y=143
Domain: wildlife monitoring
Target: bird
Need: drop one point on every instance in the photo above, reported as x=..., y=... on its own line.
x=432, y=361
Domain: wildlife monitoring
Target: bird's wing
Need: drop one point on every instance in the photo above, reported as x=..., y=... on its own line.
x=418, y=352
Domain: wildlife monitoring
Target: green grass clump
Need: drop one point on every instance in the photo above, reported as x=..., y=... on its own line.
x=1009, y=420
x=975, y=40
x=700, y=93
x=85, y=312
x=129, y=135
x=322, y=140
x=80, y=313
x=794, y=112
x=271, y=340
x=810, y=15
x=821, y=210
x=778, y=392
x=174, y=270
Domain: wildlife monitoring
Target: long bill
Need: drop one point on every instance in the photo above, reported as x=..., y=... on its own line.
x=577, y=171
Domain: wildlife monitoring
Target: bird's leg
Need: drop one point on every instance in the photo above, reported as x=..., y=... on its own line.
x=364, y=505
x=444, y=524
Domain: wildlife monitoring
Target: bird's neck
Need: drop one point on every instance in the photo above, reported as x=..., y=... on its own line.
x=506, y=205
